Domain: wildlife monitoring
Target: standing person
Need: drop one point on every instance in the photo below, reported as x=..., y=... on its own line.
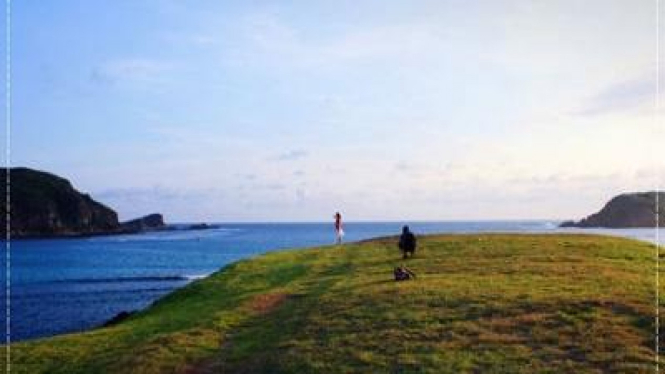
x=407, y=242
x=339, y=232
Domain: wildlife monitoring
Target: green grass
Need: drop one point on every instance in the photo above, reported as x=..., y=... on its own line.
x=481, y=304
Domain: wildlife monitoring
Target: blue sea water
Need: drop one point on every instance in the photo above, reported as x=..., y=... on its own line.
x=68, y=285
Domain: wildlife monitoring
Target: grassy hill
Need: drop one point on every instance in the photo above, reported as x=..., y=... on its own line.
x=481, y=304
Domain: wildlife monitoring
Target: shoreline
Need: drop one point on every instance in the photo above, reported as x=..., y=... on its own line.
x=168, y=228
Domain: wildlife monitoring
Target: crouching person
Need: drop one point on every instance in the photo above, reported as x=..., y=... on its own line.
x=407, y=243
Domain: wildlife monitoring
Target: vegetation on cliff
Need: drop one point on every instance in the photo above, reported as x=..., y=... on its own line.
x=43, y=204
x=627, y=210
x=46, y=205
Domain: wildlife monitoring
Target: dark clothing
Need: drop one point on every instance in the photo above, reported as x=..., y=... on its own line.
x=407, y=243
x=402, y=273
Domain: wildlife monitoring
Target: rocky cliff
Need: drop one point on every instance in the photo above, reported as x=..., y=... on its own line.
x=46, y=205
x=43, y=204
x=626, y=210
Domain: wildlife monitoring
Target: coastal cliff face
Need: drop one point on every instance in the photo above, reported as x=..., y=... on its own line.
x=43, y=204
x=46, y=205
x=626, y=210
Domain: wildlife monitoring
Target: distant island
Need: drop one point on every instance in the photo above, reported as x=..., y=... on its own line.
x=630, y=210
x=46, y=205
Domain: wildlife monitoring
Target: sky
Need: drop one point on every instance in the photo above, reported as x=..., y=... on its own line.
x=236, y=111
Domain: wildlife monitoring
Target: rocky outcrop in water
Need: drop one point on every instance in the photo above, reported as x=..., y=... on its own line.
x=150, y=222
x=625, y=211
x=202, y=226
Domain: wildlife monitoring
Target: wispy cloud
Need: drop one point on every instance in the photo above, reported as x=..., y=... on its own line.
x=291, y=155
x=301, y=194
x=131, y=71
x=272, y=186
x=247, y=176
x=278, y=42
x=620, y=96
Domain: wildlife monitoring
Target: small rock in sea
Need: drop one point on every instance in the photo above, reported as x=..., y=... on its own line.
x=567, y=224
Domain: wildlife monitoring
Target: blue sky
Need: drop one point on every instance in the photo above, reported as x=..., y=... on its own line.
x=283, y=111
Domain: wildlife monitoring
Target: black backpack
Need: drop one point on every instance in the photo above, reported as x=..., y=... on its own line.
x=402, y=274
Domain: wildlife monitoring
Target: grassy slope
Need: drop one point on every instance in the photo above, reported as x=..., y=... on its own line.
x=481, y=303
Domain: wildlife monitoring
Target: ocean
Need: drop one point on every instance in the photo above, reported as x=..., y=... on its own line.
x=61, y=286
